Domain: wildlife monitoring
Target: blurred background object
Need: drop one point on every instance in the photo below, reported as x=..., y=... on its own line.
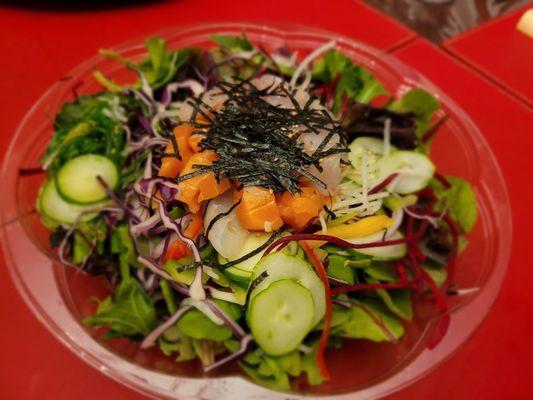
x=438, y=20
x=525, y=25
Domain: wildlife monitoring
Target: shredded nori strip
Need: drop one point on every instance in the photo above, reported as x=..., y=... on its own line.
x=254, y=284
x=256, y=142
x=329, y=212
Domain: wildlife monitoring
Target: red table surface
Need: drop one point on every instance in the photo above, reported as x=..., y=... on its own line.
x=40, y=47
x=500, y=51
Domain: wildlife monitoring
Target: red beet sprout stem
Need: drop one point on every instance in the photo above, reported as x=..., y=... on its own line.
x=442, y=179
x=335, y=240
x=371, y=286
x=380, y=186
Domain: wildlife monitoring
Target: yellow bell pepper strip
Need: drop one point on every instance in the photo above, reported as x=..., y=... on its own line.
x=364, y=227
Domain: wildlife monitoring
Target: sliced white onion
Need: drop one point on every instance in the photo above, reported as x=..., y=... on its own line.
x=203, y=308
x=397, y=218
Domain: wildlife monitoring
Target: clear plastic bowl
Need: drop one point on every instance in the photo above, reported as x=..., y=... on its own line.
x=360, y=370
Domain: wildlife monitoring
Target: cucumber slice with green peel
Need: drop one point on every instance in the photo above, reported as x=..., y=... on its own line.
x=242, y=271
x=281, y=316
x=238, y=276
x=77, y=180
x=384, y=253
x=415, y=171
x=370, y=147
x=52, y=205
x=282, y=266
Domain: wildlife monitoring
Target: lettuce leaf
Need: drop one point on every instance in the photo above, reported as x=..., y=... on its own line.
x=233, y=43
x=459, y=201
x=161, y=65
x=268, y=371
x=196, y=325
x=370, y=319
x=398, y=302
x=338, y=268
x=310, y=367
x=85, y=234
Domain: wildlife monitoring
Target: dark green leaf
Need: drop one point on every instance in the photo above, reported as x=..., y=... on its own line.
x=420, y=102
x=382, y=271
x=131, y=313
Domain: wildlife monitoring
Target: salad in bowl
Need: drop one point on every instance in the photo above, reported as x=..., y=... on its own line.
x=255, y=208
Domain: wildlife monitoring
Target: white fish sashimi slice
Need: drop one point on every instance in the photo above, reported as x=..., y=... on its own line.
x=227, y=235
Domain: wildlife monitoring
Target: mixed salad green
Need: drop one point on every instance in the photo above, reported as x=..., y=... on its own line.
x=254, y=206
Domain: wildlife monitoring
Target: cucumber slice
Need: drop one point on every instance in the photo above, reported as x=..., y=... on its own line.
x=415, y=171
x=282, y=266
x=372, y=148
x=384, y=253
x=76, y=180
x=52, y=205
x=242, y=272
x=238, y=276
x=281, y=316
